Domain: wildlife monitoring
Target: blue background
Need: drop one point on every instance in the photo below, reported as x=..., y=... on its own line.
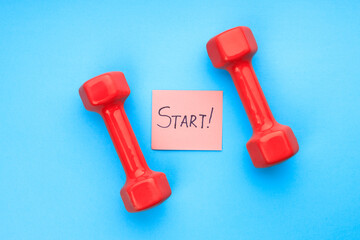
x=59, y=173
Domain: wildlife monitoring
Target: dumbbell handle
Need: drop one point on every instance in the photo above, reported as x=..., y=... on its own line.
x=124, y=140
x=251, y=95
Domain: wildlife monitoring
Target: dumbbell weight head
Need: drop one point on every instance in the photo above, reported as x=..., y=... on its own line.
x=272, y=146
x=104, y=89
x=233, y=45
x=145, y=192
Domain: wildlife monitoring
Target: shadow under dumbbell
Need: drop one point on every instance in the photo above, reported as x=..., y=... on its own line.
x=148, y=220
x=277, y=179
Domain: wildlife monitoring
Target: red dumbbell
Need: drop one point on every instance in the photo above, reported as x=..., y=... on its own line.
x=106, y=94
x=271, y=142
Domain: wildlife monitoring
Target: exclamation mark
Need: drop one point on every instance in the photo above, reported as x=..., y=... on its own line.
x=212, y=109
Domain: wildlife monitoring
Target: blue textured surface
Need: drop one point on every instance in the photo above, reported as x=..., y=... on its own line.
x=59, y=173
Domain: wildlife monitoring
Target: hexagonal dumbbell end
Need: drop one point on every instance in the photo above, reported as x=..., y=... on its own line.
x=145, y=192
x=271, y=142
x=272, y=146
x=104, y=89
x=231, y=46
x=144, y=188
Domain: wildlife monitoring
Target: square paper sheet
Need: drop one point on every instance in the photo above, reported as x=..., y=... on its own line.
x=186, y=120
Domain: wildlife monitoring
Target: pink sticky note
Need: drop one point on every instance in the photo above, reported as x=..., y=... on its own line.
x=186, y=120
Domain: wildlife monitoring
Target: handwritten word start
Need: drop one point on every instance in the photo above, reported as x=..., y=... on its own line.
x=188, y=121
